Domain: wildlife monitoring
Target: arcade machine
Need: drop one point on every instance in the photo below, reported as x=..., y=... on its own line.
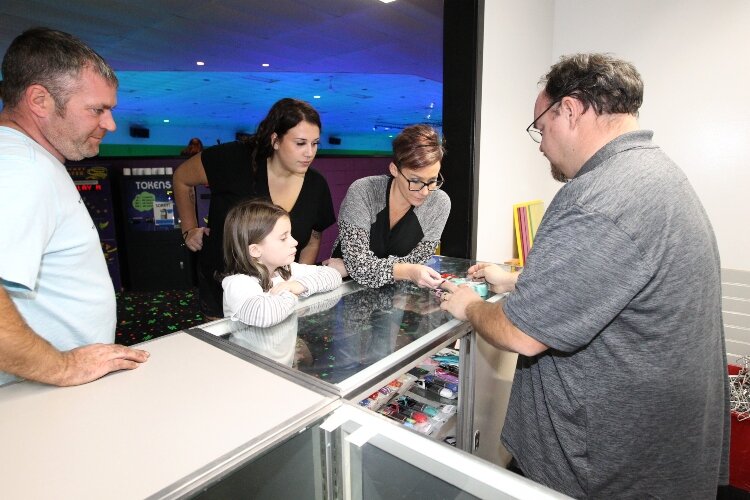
x=156, y=256
x=94, y=185
x=202, y=202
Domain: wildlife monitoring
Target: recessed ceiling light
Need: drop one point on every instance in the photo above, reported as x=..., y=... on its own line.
x=166, y=120
x=200, y=63
x=316, y=97
x=265, y=65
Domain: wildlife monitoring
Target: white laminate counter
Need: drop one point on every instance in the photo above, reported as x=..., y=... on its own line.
x=191, y=409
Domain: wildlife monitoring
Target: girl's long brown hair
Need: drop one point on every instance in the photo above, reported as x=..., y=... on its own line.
x=247, y=223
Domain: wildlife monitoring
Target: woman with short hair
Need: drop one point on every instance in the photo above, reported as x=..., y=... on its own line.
x=390, y=225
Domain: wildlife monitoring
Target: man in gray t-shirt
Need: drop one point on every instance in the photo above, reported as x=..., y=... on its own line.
x=621, y=387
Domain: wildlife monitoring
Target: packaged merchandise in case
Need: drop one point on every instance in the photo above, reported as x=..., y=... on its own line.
x=383, y=395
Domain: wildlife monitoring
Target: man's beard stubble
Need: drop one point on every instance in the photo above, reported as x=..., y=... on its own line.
x=557, y=174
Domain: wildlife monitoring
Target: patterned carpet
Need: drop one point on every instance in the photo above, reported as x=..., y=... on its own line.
x=144, y=316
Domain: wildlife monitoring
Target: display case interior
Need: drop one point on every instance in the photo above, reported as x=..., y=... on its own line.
x=295, y=468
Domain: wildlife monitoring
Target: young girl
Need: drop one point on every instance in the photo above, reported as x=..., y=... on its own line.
x=261, y=280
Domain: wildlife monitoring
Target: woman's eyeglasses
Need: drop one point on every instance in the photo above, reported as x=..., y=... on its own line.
x=419, y=185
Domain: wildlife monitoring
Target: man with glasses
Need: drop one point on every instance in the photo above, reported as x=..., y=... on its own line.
x=536, y=136
x=390, y=225
x=621, y=386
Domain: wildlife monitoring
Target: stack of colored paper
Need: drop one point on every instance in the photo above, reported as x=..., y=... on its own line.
x=526, y=219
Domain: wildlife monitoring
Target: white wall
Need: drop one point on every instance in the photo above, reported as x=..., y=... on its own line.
x=517, y=51
x=693, y=57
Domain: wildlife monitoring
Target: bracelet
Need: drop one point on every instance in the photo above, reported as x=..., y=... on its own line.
x=185, y=233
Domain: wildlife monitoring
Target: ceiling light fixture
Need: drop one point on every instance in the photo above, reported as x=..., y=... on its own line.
x=387, y=1
x=316, y=97
x=265, y=65
x=200, y=63
x=166, y=120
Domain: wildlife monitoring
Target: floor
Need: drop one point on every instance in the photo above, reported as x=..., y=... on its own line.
x=732, y=493
x=144, y=316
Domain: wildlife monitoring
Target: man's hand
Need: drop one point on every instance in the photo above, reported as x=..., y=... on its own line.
x=488, y=319
x=337, y=264
x=288, y=286
x=500, y=280
x=88, y=363
x=457, y=298
x=27, y=355
x=194, y=238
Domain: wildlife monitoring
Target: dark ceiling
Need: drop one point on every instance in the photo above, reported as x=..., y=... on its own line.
x=373, y=65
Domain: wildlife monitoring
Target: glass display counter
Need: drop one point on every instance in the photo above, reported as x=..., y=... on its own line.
x=355, y=454
x=356, y=339
x=380, y=460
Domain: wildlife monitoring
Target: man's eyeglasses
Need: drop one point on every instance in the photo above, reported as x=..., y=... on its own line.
x=419, y=185
x=535, y=133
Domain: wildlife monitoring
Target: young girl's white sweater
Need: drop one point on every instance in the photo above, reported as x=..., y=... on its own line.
x=245, y=300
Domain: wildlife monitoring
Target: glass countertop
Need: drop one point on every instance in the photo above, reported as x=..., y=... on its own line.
x=335, y=335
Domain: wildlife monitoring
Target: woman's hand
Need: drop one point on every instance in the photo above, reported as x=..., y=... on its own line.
x=337, y=264
x=500, y=280
x=288, y=286
x=194, y=237
x=418, y=274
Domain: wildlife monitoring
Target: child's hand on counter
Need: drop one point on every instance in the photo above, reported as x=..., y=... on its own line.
x=288, y=286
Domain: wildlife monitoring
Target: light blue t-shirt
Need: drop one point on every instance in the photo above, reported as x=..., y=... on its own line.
x=51, y=261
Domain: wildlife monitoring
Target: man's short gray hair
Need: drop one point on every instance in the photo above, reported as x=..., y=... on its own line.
x=53, y=59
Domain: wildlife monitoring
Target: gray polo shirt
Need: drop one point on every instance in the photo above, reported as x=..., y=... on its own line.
x=623, y=285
